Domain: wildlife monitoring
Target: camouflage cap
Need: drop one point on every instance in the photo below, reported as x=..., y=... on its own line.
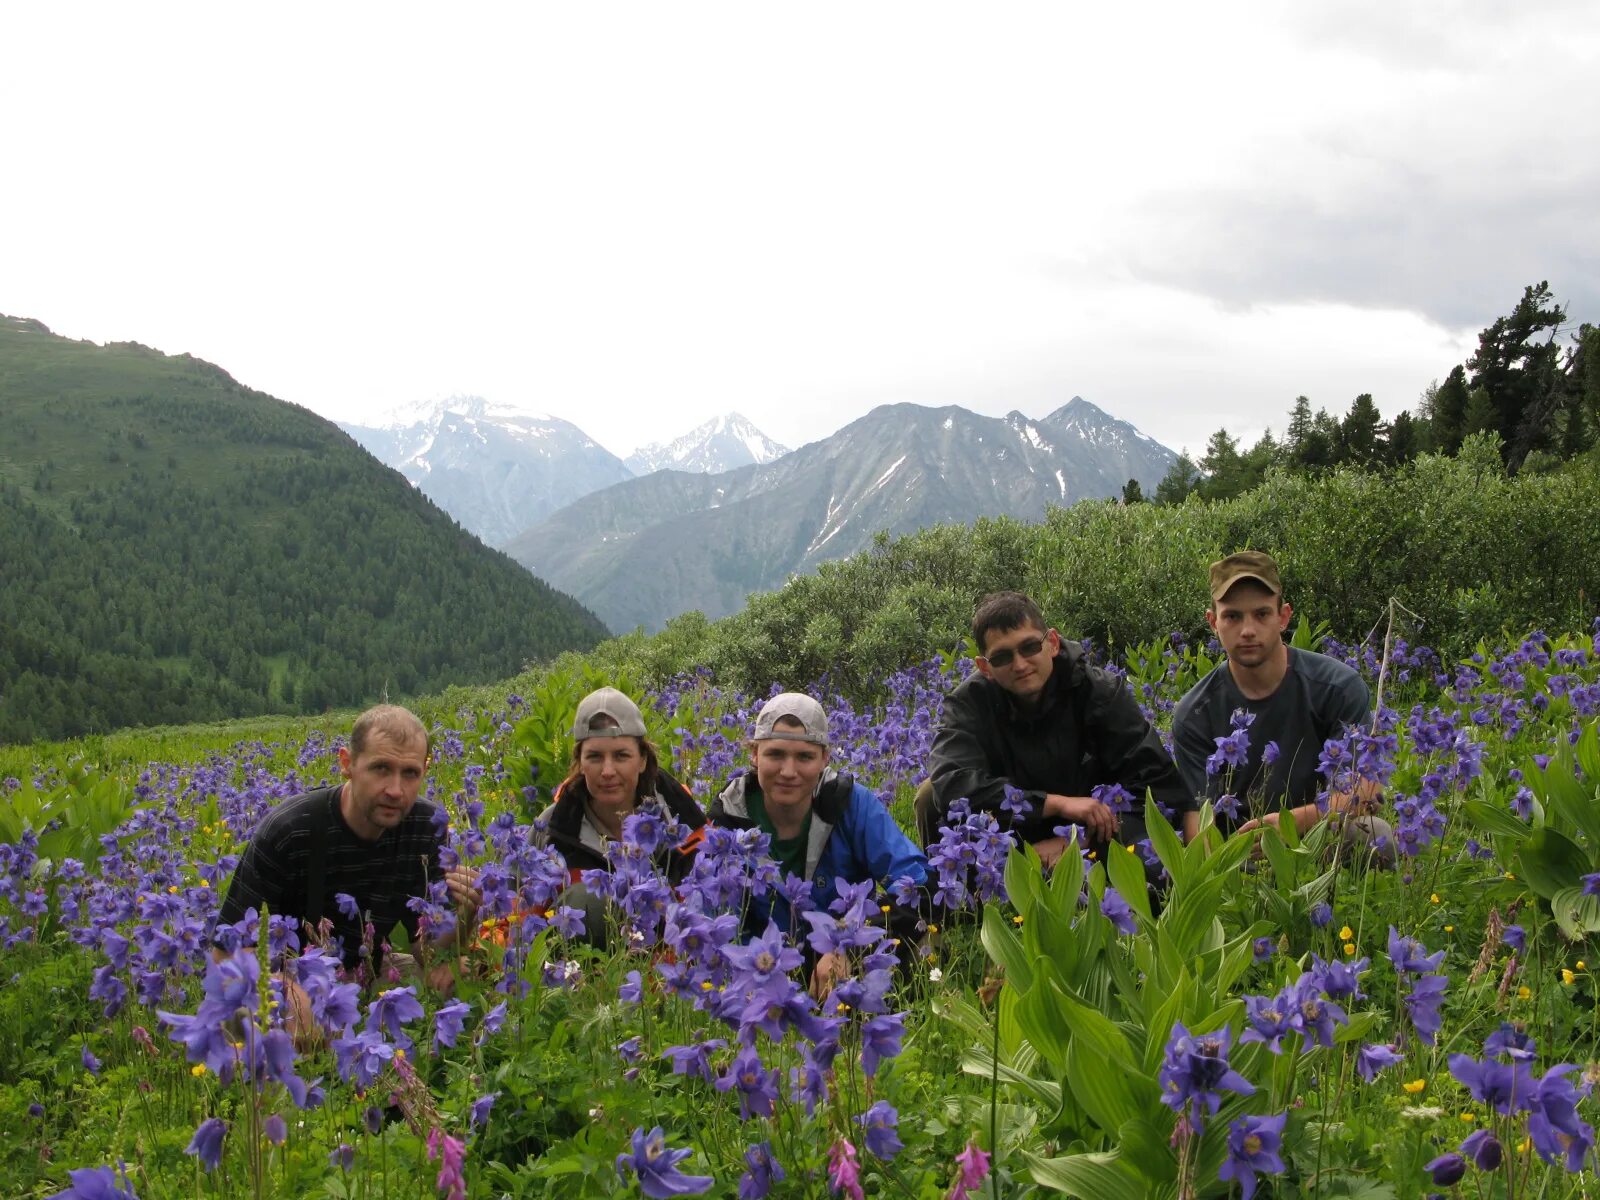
x=1247, y=564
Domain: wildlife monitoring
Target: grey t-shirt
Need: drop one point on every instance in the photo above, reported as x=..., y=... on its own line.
x=1318, y=698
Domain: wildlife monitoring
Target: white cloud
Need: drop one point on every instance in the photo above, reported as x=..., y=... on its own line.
x=638, y=216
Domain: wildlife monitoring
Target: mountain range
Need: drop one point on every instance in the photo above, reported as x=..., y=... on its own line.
x=639, y=552
x=723, y=443
x=499, y=470
x=177, y=547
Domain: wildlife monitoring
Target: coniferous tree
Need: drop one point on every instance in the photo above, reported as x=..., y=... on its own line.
x=1359, y=443
x=1517, y=364
x=1222, y=466
x=1449, y=416
x=1132, y=493
x=1404, y=439
x=1178, y=482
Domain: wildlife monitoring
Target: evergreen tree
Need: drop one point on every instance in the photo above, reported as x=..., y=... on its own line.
x=1132, y=493
x=1449, y=416
x=1481, y=416
x=1519, y=371
x=1359, y=443
x=1404, y=439
x=1299, y=426
x=1223, y=468
x=1178, y=482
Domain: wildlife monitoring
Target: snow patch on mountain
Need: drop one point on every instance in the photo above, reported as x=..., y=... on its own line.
x=722, y=444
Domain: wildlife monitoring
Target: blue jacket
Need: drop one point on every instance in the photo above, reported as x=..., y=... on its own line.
x=853, y=838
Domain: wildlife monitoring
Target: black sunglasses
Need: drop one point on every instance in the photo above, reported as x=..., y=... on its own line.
x=1002, y=659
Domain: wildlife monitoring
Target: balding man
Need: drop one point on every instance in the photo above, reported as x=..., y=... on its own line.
x=369, y=838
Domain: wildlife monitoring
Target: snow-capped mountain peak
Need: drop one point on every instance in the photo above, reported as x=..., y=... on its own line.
x=721, y=444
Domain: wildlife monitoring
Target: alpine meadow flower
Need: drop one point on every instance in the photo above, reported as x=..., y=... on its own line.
x=656, y=1167
x=1253, y=1144
x=844, y=1172
x=881, y=1138
x=206, y=1144
x=762, y=1170
x=1195, y=1073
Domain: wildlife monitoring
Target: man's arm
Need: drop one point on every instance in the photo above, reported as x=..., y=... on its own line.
x=961, y=768
x=261, y=881
x=1353, y=710
x=1128, y=746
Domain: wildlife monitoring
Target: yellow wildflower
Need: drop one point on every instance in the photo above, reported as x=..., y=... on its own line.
x=1415, y=1086
x=1349, y=949
x=1347, y=934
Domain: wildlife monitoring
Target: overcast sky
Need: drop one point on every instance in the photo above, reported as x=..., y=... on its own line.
x=638, y=216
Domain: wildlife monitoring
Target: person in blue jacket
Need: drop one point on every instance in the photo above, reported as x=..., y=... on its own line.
x=823, y=825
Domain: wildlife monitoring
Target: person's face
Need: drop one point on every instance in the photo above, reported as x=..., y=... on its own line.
x=788, y=770
x=1020, y=660
x=384, y=781
x=1249, y=622
x=611, y=768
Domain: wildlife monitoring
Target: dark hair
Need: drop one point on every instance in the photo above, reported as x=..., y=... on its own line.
x=648, y=778
x=392, y=721
x=1003, y=612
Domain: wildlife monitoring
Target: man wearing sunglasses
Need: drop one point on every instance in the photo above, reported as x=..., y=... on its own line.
x=1036, y=731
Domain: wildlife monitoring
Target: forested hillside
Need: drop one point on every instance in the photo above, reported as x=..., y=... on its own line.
x=175, y=547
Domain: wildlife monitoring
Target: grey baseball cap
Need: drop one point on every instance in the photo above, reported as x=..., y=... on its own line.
x=798, y=707
x=626, y=720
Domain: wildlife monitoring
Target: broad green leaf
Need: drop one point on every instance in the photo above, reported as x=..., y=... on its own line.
x=1576, y=913
x=1550, y=862
x=1039, y=1017
x=1495, y=821
x=1284, y=864
x=1125, y=868
x=1005, y=947
x=1024, y=878
x=1167, y=844
x=1188, y=918
x=1089, y=1176
x=1573, y=802
x=978, y=1061
x=1100, y=1089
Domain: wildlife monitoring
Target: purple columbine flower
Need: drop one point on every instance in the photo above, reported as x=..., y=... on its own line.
x=1510, y=1042
x=1554, y=1125
x=275, y=1129
x=1374, y=1058
x=346, y=904
x=656, y=1167
x=1591, y=884
x=206, y=1144
x=1447, y=1169
x=478, y=1117
x=631, y=990
x=881, y=1138
x=1321, y=914
x=756, y=1084
x=1483, y=1148
x=694, y=1060
x=762, y=1172
x=1411, y=957
x=98, y=1183
x=1423, y=1002
x=1253, y=1144
x=1515, y=937
x=392, y=1010
x=1268, y=1020
x=1195, y=1072
x=91, y=1064
x=880, y=1039
x=448, y=1022
x=342, y=1156
x=1115, y=909
x=1506, y=1088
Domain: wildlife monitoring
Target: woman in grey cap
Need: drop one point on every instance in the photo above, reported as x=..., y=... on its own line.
x=615, y=773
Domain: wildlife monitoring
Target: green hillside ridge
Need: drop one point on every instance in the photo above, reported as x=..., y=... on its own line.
x=175, y=547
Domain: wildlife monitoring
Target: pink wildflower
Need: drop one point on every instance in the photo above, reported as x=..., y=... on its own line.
x=451, y=1153
x=844, y=1173
x=974, y=1164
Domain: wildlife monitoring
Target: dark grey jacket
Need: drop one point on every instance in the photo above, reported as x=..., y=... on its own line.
x=1088, y=730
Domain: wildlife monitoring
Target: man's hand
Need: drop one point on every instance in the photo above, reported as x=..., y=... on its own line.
x=1095, y=817
x=1270, y=818
x=1050, y=851
x=831, y=968
x=462, y=883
